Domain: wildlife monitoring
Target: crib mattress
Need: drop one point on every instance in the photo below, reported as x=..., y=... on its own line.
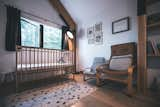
x=41, y=66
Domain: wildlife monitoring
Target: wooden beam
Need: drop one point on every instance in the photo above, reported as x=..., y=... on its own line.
x=142, y=57
x=63, y=13
x=68, y=20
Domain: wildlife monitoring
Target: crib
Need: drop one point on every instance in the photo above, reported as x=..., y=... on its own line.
x=33, y=63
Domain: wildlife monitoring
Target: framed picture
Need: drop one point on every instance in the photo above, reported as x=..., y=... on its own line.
x=95, y=34
x=99, y=38
x=91, y=41
x=120, y=25
x=98, y=27
x=90, y=35
x=90, y=32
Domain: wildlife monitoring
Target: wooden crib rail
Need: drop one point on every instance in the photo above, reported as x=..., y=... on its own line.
x=31, y=62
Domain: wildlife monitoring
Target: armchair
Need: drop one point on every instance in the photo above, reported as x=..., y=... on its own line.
x=89, y=73
x=121, y=66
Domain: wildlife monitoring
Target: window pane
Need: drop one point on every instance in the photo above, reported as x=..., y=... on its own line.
x=52, y=38
x=29, y=33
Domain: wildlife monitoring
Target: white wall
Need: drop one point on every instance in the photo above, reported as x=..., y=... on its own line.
x=113, y=10
x=86, y=13
x=40, y=8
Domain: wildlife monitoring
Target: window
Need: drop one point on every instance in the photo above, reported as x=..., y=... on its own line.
x=52, y=37
x=30, y=35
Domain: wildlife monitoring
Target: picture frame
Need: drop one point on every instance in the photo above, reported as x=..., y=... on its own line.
x=90, y=32
x=90, y=35
x=99, y=38
x=91, y=41
x=98, y=27
x=95, y=34
x=121, y=25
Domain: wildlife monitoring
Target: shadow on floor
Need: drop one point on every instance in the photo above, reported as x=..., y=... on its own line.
x=10, y=88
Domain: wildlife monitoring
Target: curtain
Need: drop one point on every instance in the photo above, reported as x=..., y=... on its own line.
x=65, y=45
x=13, y=29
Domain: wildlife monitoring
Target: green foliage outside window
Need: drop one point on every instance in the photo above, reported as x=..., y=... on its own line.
x=52, y=38
x=30, y=35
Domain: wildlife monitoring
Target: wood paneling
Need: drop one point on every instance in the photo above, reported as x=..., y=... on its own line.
x=142, y=72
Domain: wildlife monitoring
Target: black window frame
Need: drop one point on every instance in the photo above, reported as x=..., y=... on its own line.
x=33, y=25
x=41, y=35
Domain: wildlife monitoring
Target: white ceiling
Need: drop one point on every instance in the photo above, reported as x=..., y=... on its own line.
x=84, y=9
x=81, y=10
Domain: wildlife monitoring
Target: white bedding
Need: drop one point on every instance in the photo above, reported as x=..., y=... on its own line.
x=23, y=66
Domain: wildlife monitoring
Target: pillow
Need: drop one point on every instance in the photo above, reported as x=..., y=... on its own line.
x=120, y=62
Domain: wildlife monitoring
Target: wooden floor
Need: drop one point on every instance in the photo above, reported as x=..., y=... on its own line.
x=112, y=95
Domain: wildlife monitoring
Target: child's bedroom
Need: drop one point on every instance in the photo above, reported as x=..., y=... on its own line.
x=79, y=53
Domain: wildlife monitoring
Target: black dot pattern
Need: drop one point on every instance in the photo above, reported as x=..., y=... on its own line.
x=57, y=96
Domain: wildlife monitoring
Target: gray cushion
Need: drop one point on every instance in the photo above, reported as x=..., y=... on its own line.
x=120, y=62
x=96, y=62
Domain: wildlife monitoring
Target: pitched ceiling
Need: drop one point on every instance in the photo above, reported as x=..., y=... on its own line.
x=41, y=8
x=85, y=9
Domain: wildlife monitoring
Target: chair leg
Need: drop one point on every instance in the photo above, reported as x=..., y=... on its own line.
x=73, y=76
x=98, y=79
x=130, y=86
x=84, y=79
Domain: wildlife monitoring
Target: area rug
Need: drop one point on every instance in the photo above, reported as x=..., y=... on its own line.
x=63, y=95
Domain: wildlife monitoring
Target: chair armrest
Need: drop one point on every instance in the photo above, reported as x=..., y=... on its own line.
x=131, y=69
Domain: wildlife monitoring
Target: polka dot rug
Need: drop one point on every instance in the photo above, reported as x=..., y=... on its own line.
x=63, y=95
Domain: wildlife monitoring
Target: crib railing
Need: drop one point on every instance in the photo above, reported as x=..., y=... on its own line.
x=34, y=63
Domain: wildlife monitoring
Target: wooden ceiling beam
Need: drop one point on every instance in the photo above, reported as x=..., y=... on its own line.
x=63, y=13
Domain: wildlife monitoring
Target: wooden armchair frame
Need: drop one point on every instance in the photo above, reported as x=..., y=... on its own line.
x=117, y=50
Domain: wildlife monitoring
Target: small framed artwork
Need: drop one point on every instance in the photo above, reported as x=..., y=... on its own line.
x=98, y=27
x=99, y=38
x=91, y=41
x=121, y=25
x=90, y=32
x=90, y=35
x=95, y=34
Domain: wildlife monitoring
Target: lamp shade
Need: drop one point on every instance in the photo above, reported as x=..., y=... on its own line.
x=69, y=34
